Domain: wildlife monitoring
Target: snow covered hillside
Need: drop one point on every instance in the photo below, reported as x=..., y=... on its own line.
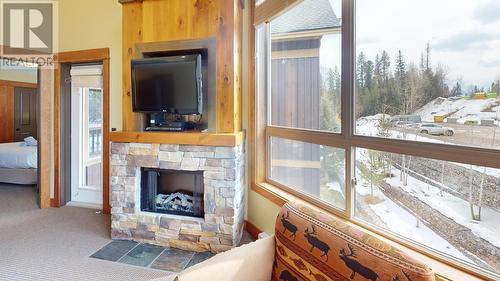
x=460, y=108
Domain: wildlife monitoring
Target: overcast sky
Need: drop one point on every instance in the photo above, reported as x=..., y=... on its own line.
x=464, y=35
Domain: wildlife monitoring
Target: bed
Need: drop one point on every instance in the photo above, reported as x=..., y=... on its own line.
x=18, y=163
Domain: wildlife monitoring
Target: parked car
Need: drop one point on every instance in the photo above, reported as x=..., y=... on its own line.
x=434, y=129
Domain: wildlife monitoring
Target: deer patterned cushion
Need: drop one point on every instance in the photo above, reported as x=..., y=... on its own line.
x=315, y=246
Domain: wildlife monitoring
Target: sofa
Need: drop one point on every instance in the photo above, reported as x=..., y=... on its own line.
x=311, y=245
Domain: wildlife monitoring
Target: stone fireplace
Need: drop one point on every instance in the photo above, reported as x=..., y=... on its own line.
x=183, y=196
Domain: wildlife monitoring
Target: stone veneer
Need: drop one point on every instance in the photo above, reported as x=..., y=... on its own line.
x=224, y=196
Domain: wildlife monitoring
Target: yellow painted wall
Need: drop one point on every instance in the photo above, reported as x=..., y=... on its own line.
x=91, y=24
x=260, y=211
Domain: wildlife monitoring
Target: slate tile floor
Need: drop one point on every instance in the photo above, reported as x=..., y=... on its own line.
x=146, y=255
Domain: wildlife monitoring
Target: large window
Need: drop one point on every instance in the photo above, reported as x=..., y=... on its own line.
x=387, y=113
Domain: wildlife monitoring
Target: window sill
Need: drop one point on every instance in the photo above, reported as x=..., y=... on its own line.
x=444, y=272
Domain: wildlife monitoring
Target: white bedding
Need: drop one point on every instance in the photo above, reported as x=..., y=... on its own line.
x=17, y=155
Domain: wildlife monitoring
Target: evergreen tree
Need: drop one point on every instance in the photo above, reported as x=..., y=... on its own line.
x=402, y=89
x=400, y=76
x=400, y=71
x=456, y=91
x=361, y=71
x=377, y=71
x=385, y=64
x=330, y=102
x=495, y=87
x=368, y=74
x=427, y=65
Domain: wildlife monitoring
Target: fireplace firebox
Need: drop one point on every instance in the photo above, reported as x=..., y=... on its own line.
x=172, y=192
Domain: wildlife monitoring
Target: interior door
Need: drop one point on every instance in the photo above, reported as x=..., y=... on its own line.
x=86, y=135
x=25, y=112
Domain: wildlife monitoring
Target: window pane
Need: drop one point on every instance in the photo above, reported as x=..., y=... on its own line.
x=305, y=67
x=315, y=170
x=95, y=123
x=451, y=207
x=435, y=77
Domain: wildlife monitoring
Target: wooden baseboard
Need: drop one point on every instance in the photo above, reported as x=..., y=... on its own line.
x=252, y=230
x=106, y=209
x=54, y=203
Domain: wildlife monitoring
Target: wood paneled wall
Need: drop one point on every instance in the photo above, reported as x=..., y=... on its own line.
x=6, y=114
x=167, y=20
x=7, y=108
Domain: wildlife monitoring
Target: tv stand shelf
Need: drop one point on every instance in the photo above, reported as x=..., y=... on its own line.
x=188, y=137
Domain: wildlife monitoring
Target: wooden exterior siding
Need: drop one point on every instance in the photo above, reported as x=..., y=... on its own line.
x=295, y=103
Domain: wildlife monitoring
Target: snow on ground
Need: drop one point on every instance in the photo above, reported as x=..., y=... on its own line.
x=404, y=223
x=368, y=126
x=453, y=207
x=399, y=220
x=488, y=171
x=336, y=186
x=450, y=206
x=466, y=109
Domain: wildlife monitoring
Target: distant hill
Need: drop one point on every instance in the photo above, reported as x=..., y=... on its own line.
x=460, y=108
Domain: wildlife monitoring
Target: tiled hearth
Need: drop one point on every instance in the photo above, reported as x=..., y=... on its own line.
x=152, y=256
x=224, y=196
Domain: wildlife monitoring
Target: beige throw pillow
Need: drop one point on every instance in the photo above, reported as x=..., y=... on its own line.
x=252, y=262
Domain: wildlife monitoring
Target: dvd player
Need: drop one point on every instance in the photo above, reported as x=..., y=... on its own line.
x=169, y=129
x=173, y=127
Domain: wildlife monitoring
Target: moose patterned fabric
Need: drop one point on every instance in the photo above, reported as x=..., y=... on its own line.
x=315, y=246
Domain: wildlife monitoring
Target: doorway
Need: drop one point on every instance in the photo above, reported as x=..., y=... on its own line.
x=86, y=135
x=81, y=154
x=25, y=113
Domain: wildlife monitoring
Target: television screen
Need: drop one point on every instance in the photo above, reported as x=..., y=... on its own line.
x=167, y=84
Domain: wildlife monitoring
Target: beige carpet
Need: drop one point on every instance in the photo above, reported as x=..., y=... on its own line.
x=55, y=244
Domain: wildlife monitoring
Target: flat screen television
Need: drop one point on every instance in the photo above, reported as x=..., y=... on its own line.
x=167, y=84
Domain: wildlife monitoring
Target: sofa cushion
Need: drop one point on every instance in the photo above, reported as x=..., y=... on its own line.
x=311, y=245
x=250, y=262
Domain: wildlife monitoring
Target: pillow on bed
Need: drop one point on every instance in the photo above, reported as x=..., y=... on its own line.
x=31, y=141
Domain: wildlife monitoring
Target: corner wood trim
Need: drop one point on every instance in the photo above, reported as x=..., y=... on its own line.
x=81, y=56
x=128, y=1
x=252, y=230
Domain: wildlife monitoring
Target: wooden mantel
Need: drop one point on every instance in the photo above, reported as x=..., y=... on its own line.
x=169, y=20
x=188, y=138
